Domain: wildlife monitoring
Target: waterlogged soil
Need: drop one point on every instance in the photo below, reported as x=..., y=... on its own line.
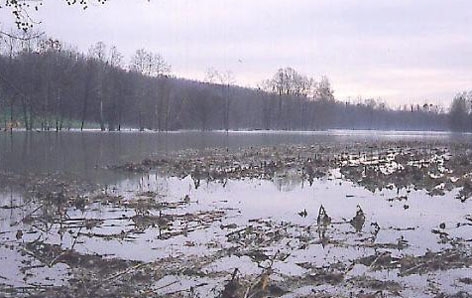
x=390, y=220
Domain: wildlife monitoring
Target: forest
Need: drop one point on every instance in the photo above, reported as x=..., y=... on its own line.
x=48, y=85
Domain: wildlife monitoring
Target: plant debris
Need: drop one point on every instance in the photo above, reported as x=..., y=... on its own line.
x=292, y=221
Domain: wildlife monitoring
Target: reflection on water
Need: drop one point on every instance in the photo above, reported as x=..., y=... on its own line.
x=304, y=226
x=82, y=152
x=149, y=217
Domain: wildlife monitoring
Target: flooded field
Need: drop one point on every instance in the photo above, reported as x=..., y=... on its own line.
x=331, y=214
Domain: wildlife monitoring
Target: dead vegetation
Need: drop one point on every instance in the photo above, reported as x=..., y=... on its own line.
x=412, y=165
x=59, y=217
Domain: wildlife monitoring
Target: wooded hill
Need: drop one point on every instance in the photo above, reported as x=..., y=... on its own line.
x=43, y=85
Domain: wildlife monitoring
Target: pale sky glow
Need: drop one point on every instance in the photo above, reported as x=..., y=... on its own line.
x=402, y=51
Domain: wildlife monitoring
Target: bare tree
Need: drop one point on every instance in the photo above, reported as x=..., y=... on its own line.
x=149, y=64
x=460, y=112
x=97, y=52
x=323, y=90
x=115, y=61
x=225, y=80
x=153, y=65
x=287, y=83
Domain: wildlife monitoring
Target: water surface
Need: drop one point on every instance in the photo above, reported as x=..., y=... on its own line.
x=81, y=153
x=169, y=223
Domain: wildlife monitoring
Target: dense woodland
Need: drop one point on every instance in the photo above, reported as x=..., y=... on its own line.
x=49, y=86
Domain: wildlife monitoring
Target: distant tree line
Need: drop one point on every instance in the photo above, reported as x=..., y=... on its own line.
x=49, y=86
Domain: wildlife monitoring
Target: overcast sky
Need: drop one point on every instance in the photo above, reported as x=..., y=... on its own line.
x=400, y=51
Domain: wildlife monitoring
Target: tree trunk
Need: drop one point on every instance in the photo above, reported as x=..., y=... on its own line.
x=25, y=114
x=102, y=120
x=11, y=116
x=140, y=119
x=84, y=108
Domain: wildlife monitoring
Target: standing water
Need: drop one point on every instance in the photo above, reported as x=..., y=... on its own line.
x=244, y=214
